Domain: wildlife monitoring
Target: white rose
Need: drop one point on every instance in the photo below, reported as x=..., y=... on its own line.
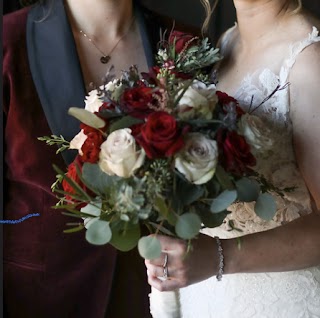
x=198, y=101
x=78, y=141
x=119, y=156
x=115, y=88
x=198, y=159
x=255, y=132
x=93, y=101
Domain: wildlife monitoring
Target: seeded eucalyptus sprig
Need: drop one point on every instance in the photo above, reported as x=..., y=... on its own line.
x=198, y=57
x=56, y=140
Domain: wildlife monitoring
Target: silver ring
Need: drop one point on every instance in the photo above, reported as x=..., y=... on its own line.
x=165, y=267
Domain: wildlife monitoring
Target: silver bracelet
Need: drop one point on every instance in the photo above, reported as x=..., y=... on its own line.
x=221, y=259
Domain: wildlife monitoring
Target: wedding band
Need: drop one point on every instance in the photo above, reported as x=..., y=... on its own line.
x=165, y=267
x=165, y=260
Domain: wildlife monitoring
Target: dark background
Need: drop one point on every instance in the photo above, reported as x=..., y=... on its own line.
x=186, y=11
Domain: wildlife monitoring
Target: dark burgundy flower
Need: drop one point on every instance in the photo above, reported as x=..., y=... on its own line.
x=91, y=146
x=229, y=103
x=73, y=175
x=160, y=136
x=182, y=40
x=235, y=155
x=135, y=101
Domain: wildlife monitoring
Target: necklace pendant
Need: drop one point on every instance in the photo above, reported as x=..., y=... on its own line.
x=105, y=59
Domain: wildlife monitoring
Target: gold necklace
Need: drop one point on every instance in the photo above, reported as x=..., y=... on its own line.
x=105, y=58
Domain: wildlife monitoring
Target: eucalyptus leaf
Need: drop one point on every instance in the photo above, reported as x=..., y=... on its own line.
x=210, y=219
x=96, y=178
x=248, y=189
x=125, y=237
x=167, y=213
x=161, y=206
x=188, y=192
x=93, y=208
x=99, y=233
x=213, y=188
x=223, y=178
x=265, y=206
x=188, y=225
x=223, y=201
x=149, y=247
x=86, y=117
x=124, y=122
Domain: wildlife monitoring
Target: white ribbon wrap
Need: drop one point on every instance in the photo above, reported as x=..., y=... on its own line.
x=165, y=304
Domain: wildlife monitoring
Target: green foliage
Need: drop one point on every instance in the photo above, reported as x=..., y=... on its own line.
x=223, y=201
x=188, y=226
x=86, y=117
x=210, y=219
x=56, y=140
x=124, y=122
x=265, y=206
x=223, y=178
x=149, y=247
x=125, y=236
x=96, y=179
x=248, y=189
x=99, y=233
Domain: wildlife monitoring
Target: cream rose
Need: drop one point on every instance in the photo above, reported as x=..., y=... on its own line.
x=198, y=159
x=198, y=101
x=255, y=132
x=119, y=156
x=78, y=141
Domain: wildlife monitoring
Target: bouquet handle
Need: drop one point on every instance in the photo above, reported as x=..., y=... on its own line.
x=165, y=304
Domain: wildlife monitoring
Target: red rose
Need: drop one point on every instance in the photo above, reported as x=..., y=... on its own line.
x=72, y=174
x=91, y=146
x=235, y=155
x=182, y=40
x=151, y=76
x=226, y=101
x=136, y=101
x=105, y=106
x=160, y=136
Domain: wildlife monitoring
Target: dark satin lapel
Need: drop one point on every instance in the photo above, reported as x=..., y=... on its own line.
x=148, y=48
x=55, y=69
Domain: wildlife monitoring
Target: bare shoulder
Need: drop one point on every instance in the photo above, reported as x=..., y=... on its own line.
x=305, y=73
x=307, y=66
x=304, y=89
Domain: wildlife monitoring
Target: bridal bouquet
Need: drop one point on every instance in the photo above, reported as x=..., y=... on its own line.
x=162, y=149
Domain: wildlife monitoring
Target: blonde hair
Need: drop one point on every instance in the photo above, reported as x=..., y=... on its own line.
x=209, y=10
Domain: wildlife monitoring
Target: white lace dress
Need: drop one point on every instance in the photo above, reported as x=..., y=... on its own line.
x=294, y=294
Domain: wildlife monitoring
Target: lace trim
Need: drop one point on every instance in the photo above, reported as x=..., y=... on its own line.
x=266, y=295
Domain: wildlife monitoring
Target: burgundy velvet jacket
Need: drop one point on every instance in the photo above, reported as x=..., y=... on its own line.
x=49, y=274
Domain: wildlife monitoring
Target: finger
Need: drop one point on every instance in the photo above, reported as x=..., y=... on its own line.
x=164, y=285
x=169, y=244
x=157, y=261
x=155, y=271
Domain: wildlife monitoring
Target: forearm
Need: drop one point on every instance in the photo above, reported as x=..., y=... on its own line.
x=293, y=246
